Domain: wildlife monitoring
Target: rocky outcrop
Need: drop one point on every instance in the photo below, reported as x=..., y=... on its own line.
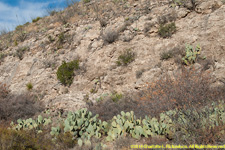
x=204, y=25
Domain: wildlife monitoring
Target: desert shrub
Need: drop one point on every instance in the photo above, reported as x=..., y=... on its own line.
x=200, y=126
x=126, y=58
x=14, y=106
x=19, y=27
x=49, y=64
x=167, y=30
x=51, y=39
x=36, y=20
x=51, y=11
x=103, y=22
x=29, y=86
x=63, y=17
x=20, y=52
x=66, y=140
x=107, y=108
x=60, y=40
x=163, y=19
x=187, y=89
x=166, y=55
x=65, y=72
x=116, y=97
x=110, y=36
x=4, y=91
x=21, y=33
x=189, y=4
x=86, y=1
x=24, y=140
x=139, y=73
x=147, y=27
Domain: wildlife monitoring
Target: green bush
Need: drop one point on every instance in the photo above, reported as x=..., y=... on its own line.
x=29, y=86
x=36, y=20
x=125, y=58
x=116, y=97
x=65, y=72
x=86, y=1
x=60, y=40
x=167, y=30
x=24, y=140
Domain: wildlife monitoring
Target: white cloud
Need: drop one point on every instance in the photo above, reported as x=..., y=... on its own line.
x=11, y=16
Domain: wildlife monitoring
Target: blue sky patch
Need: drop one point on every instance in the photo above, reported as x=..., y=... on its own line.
x=17, y=12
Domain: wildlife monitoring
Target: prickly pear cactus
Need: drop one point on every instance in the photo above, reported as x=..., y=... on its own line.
x=31, y=124
x=83, y=126
x=191, y=54
x=164, y=126
x=124, y=124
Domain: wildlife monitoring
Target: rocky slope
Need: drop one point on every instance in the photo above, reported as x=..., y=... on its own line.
x=82, y=30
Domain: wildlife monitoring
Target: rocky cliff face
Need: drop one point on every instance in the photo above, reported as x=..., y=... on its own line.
x=33, y=52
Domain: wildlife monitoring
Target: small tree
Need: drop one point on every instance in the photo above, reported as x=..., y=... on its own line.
x=65, y=72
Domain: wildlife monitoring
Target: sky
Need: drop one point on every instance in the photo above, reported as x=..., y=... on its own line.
x=17, y=12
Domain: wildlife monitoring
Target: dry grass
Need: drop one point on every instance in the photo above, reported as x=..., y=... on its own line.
x=24, y=140
x=194, y=132
x=186, y=90
x=189, y=89
x=14, y=106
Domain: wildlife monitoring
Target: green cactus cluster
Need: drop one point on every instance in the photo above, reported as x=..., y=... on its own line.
x=191, y=54
x=31, y=124
x=82, y=126
x=126, y=123
x=123, y=124
x=209, y=116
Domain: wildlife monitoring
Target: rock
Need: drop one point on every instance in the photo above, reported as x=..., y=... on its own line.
x=207, y=6
x=182, y=12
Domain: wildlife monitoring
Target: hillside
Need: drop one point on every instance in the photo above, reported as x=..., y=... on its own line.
x=122, y=46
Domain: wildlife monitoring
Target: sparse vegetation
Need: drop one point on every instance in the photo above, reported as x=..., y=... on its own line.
x=167, y=30
x=51, y=39
x=103, y=22
x=2, y=56
x=139, y=73
x=60, y=40
x=15, y=106
x=190, y=113
x=166, y=55
x=86, y=1
x=183, y=106
x=36, y=20
x=20, y=52
x=93, y=91
x=191, y=54
x=190, y=4
x=116, y=97
x=110, y=36
x=49, y=64
x=126, y=58
x=29, y=86
x=21, y=33
x=65, y=72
